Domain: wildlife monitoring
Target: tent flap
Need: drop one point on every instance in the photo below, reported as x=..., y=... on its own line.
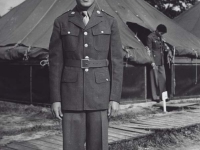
x=133, y=56
x=21, y=53
x=186, y=52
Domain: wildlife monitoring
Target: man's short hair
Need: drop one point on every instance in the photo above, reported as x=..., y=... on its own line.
x=161, y=28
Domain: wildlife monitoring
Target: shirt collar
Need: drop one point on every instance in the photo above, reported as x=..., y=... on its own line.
x=89, y=10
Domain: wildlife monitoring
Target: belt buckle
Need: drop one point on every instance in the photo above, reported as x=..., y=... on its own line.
x=85, y=63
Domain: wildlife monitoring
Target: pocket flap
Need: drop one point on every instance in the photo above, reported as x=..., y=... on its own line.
x=69, y=75
x=101, y=77
x=70, y=31
x=98, y=31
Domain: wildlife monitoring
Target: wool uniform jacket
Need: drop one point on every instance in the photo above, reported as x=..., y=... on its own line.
x=85, y=89
x=156, y=46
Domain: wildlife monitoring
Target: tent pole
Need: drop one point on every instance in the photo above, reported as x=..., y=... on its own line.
x=145, y=82
x=31, y=92
x=173, y=80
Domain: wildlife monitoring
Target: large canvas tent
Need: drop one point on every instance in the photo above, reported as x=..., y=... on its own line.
x=30, y=25
x=138, y=13
x=190, y=20
x=25, y=33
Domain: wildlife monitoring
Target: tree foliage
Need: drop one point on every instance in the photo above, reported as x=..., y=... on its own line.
x=172, y=8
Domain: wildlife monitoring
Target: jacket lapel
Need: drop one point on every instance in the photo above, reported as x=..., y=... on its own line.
x=76, y=18
x=95, y=19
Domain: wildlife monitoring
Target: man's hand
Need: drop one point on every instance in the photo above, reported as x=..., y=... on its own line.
x=113, y=108
x=154, y=65
x=56, y=110
x=169, y=56
x=166, y=47
x=148, y=51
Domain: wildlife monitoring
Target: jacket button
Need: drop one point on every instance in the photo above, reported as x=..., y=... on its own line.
x=98, y=12
x=68, y=32
x=85, y=33
x=86, y=70
x=86, y=57
x=102, y=31
x=86, y=45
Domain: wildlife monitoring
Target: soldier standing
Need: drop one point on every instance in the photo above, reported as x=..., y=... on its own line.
x=85, y=74
x=157, y=73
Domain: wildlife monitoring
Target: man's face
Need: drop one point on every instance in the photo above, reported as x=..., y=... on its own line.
x=161, y=33
x=84, y=3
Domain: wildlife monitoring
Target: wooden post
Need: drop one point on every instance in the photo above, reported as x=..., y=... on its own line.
x=173, y=80
x=31, y=84
x=145, y=82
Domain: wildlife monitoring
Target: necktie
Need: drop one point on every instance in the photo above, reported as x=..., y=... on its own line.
x=85, y=17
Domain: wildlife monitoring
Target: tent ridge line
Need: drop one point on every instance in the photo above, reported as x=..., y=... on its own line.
x=38, y=22
x=188, y=11
x=196, y=23
x=16, y=27
x=115, y=11
x=7, y=19
x=40, y=38
x=142, y=18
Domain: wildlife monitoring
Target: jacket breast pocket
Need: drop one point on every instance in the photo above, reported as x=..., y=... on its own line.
x=69, y=75
x=102, y=77
x=101, y=38
x=70, y=38
x=156, y=44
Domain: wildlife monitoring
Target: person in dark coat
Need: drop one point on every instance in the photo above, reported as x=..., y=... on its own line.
x=157, y=48
x=85, y=74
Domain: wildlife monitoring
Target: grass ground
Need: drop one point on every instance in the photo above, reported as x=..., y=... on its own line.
x=162, y=140
x=19, y=122
x=24, y=122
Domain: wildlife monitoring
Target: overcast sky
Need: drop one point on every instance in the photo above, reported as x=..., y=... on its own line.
x=5, y=5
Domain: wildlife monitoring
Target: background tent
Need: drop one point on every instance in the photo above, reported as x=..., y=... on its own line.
x=140, y=15
x=30, y=25
x=25, y=33
x=190, y=20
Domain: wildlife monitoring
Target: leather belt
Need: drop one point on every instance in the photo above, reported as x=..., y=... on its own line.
x=86, y=63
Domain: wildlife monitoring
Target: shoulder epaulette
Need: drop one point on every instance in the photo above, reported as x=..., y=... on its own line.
x=152, y=34
x=106, y=13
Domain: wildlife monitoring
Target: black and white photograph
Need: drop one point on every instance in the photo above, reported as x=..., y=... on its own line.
x=99, y=74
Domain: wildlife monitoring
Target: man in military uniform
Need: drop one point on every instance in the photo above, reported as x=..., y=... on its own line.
x=157, y=73
x=85, y=74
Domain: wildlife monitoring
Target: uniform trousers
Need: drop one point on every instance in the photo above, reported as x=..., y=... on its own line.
x=80, y=127
x=158, y=82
